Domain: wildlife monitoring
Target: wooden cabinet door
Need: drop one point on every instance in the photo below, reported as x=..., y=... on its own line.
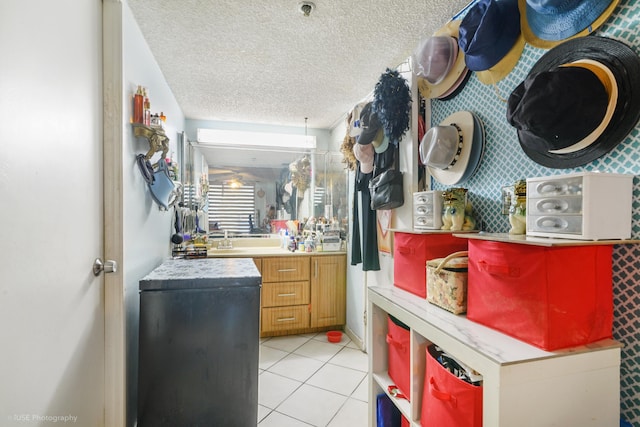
x=328, y=290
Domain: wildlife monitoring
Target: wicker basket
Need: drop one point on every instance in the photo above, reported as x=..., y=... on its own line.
x=447, y=282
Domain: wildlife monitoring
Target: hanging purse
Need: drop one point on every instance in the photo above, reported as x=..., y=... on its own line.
x=386, y=188
x=162, y=186
x=159, y=182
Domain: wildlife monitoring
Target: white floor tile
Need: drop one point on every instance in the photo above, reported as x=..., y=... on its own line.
x=337, y=379
x=274, y=389
x=312, y=405
x=319, y=350
x=276, y=419
x=351, y=358
x=362, y=391
x=263, y=411
x=352, y=344
x=269, y=356
x=296, y=367
x=353, y=413
x=286, y=343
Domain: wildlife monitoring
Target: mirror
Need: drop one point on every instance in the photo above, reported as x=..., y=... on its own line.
x=281, y=185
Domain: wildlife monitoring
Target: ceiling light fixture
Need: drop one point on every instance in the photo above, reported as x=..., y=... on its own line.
x=306, y=7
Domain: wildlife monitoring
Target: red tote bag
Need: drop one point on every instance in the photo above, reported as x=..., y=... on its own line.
x=446, y=399
x=550, y=297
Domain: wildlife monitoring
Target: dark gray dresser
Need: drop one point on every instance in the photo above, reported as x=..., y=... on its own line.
x=199, y=343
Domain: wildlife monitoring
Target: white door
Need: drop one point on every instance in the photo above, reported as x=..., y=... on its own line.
x=52, y=362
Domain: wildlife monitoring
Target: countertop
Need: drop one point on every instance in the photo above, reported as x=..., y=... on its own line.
x=201, y=273
x=266, y=251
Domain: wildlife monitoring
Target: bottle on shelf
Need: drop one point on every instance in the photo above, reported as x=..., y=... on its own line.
x=146, y=109
x=138, y=106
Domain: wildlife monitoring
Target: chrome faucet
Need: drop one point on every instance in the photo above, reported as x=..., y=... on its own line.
x=226, y=242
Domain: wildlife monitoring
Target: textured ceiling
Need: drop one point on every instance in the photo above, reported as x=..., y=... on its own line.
x=265, y=62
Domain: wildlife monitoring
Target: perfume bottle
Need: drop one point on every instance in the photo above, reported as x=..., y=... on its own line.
x=137, y=106
x=146, y=109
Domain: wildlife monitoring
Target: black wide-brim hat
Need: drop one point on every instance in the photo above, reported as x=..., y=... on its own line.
x=624, y=63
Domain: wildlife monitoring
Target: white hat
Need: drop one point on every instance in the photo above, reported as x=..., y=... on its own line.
x=453, y=149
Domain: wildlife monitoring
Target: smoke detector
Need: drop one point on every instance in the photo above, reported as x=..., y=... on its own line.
x=306, y=7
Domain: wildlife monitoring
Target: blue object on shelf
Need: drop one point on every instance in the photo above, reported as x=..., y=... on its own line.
x=624, y=423
x=387, y=414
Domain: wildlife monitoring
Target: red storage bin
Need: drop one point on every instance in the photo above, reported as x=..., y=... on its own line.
x=549, y=297
x=411, y=253
x=399, y=351
x=447, y=400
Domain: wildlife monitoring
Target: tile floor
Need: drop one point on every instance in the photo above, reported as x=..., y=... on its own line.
x=307, y=381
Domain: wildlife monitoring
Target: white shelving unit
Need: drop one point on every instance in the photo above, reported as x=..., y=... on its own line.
x=523, y=386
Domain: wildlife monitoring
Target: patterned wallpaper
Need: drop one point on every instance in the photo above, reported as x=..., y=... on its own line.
x=504, y=162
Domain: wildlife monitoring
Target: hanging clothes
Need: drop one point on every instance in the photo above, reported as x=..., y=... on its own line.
x=356, y=244
x=370, y=260
x=365, y=251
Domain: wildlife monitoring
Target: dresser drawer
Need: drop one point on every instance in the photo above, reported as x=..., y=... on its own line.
x=571, y=224
x=427, y=210
x=285, y=269
x=555, y=205
x=285, y=293
x=285, y=318
x=554, y=186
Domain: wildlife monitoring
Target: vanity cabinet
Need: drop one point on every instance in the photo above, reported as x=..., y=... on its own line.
x=328, y=290
x=302, y=293
x=285, y=294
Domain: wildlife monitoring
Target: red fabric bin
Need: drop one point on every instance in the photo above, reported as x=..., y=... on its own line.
x=550, y=297
x=399, y=351
x=446, y=399
x=411, y=253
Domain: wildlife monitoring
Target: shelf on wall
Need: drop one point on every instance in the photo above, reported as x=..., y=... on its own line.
x=155, y=136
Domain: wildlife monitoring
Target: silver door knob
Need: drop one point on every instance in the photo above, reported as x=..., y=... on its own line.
x=109, y=266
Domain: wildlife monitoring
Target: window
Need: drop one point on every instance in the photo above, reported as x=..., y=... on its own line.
x=233, y=209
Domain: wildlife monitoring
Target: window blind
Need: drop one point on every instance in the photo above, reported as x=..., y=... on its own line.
x=231, y=207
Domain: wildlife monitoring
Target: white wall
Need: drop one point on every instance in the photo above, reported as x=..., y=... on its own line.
x=147, y=230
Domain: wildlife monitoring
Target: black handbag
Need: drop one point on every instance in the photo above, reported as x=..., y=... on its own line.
x=386, y=188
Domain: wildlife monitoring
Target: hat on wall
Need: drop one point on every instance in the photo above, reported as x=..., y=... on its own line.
x=380, y=142
x=364, y=154
x=354, y=128
x=491, y=40
x=546, y=23
x=370, y=124
x=578, y=102
x=432, y=57
x=452, y=150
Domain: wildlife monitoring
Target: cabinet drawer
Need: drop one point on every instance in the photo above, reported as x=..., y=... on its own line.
x=554, y=186
x=555, y=224
x=555, y=205
x=285, y=293
x=284, y=318
x=285, y=269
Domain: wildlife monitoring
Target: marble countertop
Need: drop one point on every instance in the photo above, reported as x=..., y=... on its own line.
x=199, y=273
x=488, y=342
